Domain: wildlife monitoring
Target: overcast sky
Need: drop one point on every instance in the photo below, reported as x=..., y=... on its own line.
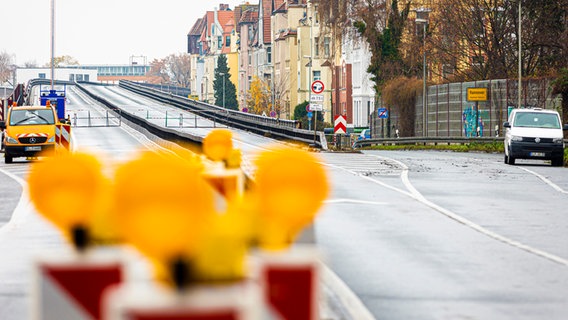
x=101, y=31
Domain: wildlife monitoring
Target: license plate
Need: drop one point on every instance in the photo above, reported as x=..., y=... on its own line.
x=537, y=154
x=38, y=148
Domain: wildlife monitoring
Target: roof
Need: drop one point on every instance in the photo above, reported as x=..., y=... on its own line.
x=249, y=16
x=197, y=28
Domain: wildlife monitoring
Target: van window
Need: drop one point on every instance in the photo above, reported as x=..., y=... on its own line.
x=536, y=120
x=30, y=117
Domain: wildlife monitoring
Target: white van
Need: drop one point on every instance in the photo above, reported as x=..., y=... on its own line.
x=534, y=134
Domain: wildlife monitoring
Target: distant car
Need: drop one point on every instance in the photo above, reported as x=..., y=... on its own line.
x=534, y=134
x=365, y=134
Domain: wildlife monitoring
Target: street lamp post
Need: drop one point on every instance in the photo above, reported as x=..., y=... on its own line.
x=311, y=74
x=52, y=44
x=423, y=14
x=520, y=64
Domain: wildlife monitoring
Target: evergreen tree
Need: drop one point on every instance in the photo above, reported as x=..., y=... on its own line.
x=223, y=78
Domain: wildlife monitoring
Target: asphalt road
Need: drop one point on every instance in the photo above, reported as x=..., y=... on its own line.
x=415, y=235
x=442, y=235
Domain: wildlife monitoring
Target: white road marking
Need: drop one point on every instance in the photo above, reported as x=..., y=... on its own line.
x=355, y=201
x=415, y=194
x=543, y=178
x=23, y=204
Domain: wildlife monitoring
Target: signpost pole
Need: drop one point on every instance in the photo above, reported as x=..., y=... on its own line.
x=477, y=118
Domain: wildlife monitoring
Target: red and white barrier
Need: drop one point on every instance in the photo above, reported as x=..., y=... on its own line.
x=240, y=301
x=65, y=141
x=289, y=282
x=72, y=287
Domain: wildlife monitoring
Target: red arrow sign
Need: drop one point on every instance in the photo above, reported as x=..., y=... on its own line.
x=340, y=124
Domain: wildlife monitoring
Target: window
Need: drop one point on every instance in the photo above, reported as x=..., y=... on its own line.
x=41, y=75
x=219, y=42
x=447, y=70
x=27, y=117
x=228, y=41
x=317, y=75
x=326, y=46
x=269, y=54
x=477, y=60
x=316, y=46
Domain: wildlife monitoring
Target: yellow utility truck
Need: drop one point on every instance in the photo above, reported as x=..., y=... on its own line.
x=28, y=131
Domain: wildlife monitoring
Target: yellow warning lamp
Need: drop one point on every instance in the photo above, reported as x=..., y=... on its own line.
x=221, y=258
x=67, y=189
x=291, y=185
x=163, y=207
x=218, y=144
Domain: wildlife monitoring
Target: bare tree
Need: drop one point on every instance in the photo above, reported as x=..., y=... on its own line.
x=63, y=61
x=6, y=67
x=175, y=68
x=281, y=94
x=478, y=39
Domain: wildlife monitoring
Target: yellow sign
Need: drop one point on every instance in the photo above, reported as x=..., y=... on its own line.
x=476, y=94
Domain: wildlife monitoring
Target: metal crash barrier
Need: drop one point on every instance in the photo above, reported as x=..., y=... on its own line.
x=87, y=118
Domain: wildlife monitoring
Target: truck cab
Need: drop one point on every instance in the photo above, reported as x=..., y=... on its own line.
x=28, y=132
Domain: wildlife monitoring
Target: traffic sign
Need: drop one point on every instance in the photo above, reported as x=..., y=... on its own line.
x=310, y=115
x=340, y=124
x=317, y=87
x=273, y=114
x=316, y=107
x=245, y=110
x=476, y=94
x=316, y=98
x=383, y=113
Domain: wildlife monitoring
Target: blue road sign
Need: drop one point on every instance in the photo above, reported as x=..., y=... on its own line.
x=310, y=115
x=383, y=113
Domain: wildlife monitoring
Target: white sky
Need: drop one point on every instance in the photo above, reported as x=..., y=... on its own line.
x=100, y=31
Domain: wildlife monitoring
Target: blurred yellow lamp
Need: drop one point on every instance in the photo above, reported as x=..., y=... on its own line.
x=218, y=144
x=67, y=190
x=291, y=185
x=162, y=205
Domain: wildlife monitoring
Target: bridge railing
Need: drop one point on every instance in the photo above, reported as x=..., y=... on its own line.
x=267, y=126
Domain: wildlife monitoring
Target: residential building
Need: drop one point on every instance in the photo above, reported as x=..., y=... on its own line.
x=314, y=54
x=213, y=35
x=356, y=57
x=285, y=22
x=248, y=42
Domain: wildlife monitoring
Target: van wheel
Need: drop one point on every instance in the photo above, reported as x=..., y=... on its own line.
x=510, y=160
x=8, y=159
x=557, y=162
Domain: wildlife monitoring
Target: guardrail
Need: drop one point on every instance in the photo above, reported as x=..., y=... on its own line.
x=181, y=138
x=267, y=126
x=425, y=141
